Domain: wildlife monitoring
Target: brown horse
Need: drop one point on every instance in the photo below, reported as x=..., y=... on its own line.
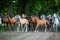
x=9, y=21
x=32, y=23
x=5, y=20
x=40, y=22
x=13, y=21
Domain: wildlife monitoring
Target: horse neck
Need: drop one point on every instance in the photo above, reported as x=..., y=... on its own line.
x=9, y=18
x=18, y=17
x=37, y=19
x=56, y=19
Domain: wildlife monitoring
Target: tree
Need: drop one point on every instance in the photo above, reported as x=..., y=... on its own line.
x=30, y=6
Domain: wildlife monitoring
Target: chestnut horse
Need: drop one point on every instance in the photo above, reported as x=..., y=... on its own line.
x=9, y=21
x=5, y=20
x=13, y=21
x=40, y=22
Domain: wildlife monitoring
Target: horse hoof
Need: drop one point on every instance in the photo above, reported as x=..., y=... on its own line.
x=37, y=31
x=45, y=31
x=34, y=31
x=25, y=31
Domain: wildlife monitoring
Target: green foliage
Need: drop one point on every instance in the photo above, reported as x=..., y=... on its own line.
x=43, y=7
x=15, y=7
x=32, y=6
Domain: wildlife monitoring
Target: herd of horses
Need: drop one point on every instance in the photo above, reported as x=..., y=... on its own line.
x=34, y=22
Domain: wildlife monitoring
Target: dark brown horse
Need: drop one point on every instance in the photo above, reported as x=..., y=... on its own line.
x=32, y=23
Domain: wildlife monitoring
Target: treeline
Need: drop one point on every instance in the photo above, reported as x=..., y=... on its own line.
x=37, y=7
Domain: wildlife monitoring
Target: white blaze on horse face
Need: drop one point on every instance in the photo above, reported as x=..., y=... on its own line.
x=22, y=15
x=55, y=15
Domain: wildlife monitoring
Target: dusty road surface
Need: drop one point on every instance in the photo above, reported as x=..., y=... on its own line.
x=29, y=36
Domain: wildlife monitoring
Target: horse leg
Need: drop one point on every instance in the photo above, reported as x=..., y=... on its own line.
x=15, y=24
x=36, y=29
x=45, y=27
x=26, y=27
x=18, y=27
x=7, y=26
x=22, y=27
x=56, y=27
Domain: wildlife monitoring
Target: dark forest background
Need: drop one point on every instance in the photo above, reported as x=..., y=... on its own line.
x=37, y=7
